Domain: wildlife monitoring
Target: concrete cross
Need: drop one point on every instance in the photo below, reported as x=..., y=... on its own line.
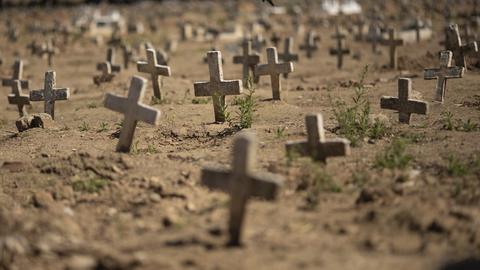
x=442, y=74
x=248, y=59
x=273, y=69
x=454, y=44
x=217, y=87
x=242, y=183
x=111, y=60
x=106, y=75
x=340, y=50
x=310, y=45
x=392, y=43
x=49, y=50
x=17, y=76
x=403, y=104
x=133, y=110
x=155, y=70
x=288, y=55
x=317, y=146
x=18, y=98
x=275, y=39
x=127, y=55
x=49, y=94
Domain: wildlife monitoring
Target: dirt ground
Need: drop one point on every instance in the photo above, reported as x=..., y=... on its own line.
x=69, y=201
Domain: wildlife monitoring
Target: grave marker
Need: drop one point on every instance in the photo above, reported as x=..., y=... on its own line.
x=340, y=51
x=273, y=69
x=288, y=55
x=155, y=70
x=134, y=110
x=403, y=104
x=310, y=45
x=454, y=44
x=111, y=60
x=18, y=98
x=442, y=74
x=392, y=43
x=242, y=183
x=127, y=55
x=17, y=76
x=248, y=59
x=106, y=75
x=49, y=94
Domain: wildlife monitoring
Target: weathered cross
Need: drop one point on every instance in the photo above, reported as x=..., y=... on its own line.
x=127, y=55
x=17, y=76
x=217, y=87
x=442, y=74
x=111, y=60
x=340, y=50
x=393, y=44
x=403, y=104
x=134, y=111
x=317, y=146
x=454, y=44
x=273, y=69
x=242, y=183
x=248, y=59
x=106, y=75
x=18, y=98
x=310, y=45
x=155, y=70
x=49, y=94
x=288, y=55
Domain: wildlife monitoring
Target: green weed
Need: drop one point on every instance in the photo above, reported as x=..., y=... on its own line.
x=394, y=156
x=90, y=185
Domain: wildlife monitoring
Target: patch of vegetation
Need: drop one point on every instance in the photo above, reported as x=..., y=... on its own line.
x=458, y=168
x=449, y=123
x=84, y=126
x=103, y=127
x=158, y=101
x=200, y=100
x=247, y=106
x=135, y=150
x=414, y=137
x=91, y=105
x=280, y=132
x=151, y=149
x=354, y=121
x=90, y=185
x=394, y=156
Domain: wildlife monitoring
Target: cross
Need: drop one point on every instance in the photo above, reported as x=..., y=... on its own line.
x=50, y=50
x=17, y=76
x=155, y=70
x=442, y=74
x=127, y=55
x=248, y=59
x=106, y=75
x=288, y=55
x=49, y=94
x=273, y=69
x=133, y=110
x=111, y=60
x=403, y=104
x=393, y=44
x=18, y=98
x=317, y=146
x=217, y=87
x=417, y=26
x=454, y=44
x=375, y=36
x=242, y=183
x=359, y=23
x=310, y=46
x=275, y=39
x=340, y=50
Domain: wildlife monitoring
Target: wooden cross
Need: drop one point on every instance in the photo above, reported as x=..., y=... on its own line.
x=317, y=146
x=442, y=74
x=155, y=70
x=340, y=50
x=49, y=94
x=106, y=75
x=217, y=87
x=403, y=104
x=18, y=98
x=393, y=44
x=17, y=76
x=248, y=59
x=242, y=183
x=275, y=39
x=273, y=69
x=134, y=110
x=310, y=45
x=127, y=55
x=454, y=44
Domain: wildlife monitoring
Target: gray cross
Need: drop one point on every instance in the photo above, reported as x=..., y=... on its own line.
x=18, y=98
x=288, y=55
x=242, y=183
x=442, y=74
x=17, y=76
x=134, y=111
x=155, y=70
x=310, y=45
x=49, y=94
x=273, y=69
x=340, y=51
x=217, y=87
x=454, y=44
x=49, y=50
x=111, y=60
x=248, y=59
x=317, y=146
x=392, y=43
x=403, y=104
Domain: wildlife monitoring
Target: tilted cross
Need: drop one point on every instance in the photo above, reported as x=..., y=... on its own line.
x=393, y=44
x=442, y=74
x=217, y=87
x=18, y=98
x=403, y=104
x=454, y=44
x=288, y=55
x=273, y=69
x=340, y=50
x=310, y=45
x=133, y=110
x=242, y=183
x=317, y=146
x=106, y=75
x=248, y=59
x=155, y=70
x=17, y=76
x=49, y=94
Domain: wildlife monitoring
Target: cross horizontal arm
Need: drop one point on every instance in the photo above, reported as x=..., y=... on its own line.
x=451, y=72
x=10, y=82
x=61, y=93
x=21, y=100
x=116, y=103
x=202, y=89
x=412, y=106
x=148, y=114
